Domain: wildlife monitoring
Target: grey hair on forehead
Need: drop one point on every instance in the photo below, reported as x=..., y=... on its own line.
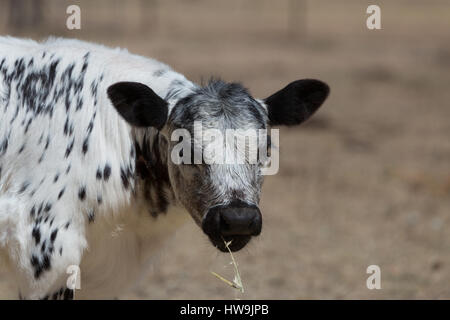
x=218, y=98
x=216, y=87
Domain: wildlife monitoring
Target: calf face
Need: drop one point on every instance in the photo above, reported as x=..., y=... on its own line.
x=222, y=198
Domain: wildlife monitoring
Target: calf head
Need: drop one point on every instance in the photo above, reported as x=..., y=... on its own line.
x=221, y=197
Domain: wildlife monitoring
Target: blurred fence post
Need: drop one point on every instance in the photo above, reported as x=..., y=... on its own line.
x=149, y=6
x=297, y=19
x=24, y=14
x=16, y=14
x=36, y=12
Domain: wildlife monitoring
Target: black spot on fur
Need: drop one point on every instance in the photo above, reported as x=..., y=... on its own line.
x=21, y=149
x=34, y=260
x=48, y=207
x=106, y=172
x=4, y=146
x=36, y=234
x=40, y=266
x=82, y=193
x=85, y=145
x=41, y=157
x=98, y=174
x=40, y=208
x=24, y=187
x=69, y=148
x=123, y=176
x=91, y=215
x=32, y=211
x=79, y=104
x=53, y=235
x=68, y=294
x=66, y=127
x=60, y=194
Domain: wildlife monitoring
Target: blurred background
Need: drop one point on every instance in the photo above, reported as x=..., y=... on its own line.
x=366, y=181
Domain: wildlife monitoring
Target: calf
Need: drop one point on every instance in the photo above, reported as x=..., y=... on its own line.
x=86, y=172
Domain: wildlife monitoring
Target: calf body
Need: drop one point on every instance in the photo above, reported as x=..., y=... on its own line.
x=86, y=177
x=67, y=159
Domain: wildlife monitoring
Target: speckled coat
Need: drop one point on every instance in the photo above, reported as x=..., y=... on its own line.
x=67, y=162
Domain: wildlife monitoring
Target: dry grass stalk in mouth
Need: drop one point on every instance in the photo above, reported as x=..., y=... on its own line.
x=237, y=281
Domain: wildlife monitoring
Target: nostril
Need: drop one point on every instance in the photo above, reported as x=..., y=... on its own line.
x=212, y=222
x=228, y=224
x=224, y=224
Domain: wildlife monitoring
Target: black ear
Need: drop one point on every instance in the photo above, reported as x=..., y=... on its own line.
x=138, y=104
x=296, y=102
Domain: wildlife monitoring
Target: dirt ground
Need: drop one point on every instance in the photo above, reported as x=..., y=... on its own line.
x=367, y=181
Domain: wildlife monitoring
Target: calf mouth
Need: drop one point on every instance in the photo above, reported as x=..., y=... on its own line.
x=235, y=243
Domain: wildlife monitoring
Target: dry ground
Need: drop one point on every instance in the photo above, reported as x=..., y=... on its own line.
x=366, y=182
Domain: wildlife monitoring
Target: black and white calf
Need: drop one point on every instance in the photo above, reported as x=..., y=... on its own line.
x=85, y=173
